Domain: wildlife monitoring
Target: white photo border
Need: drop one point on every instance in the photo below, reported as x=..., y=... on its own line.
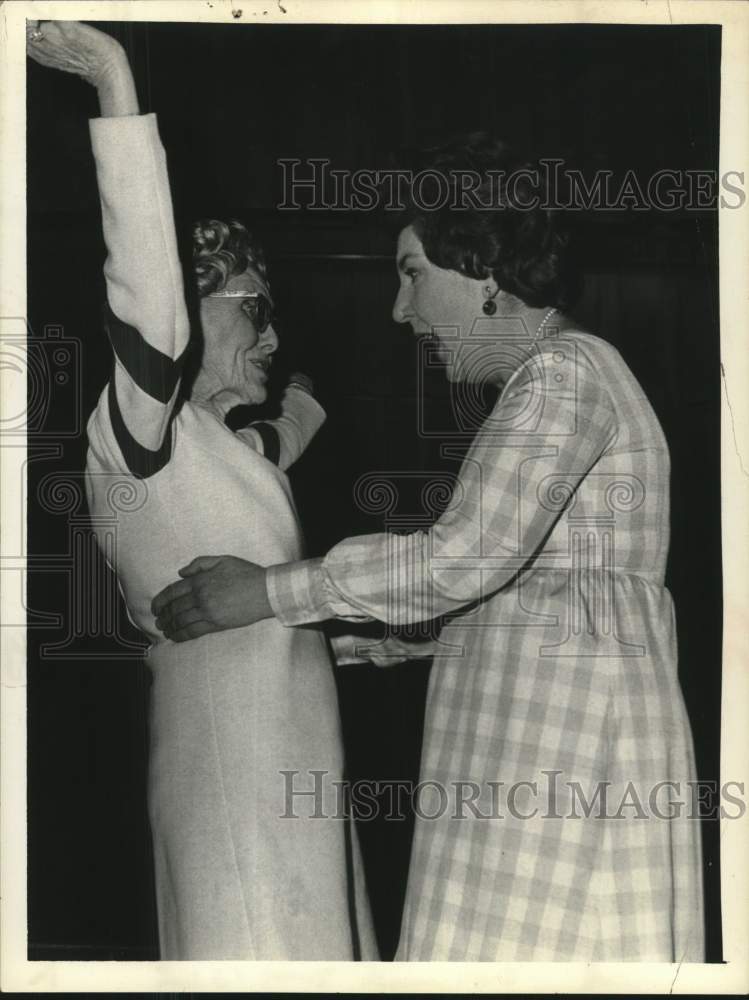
x=18, y=974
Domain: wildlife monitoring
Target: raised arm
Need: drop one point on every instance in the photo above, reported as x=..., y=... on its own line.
x=146, y=316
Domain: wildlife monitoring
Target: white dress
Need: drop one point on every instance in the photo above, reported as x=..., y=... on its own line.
x=243, y=871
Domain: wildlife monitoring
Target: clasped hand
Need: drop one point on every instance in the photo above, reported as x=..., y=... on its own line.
x=215, y=593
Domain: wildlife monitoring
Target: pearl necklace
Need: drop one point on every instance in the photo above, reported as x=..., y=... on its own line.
x=544, y=321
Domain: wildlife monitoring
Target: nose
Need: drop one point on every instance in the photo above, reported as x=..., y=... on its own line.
x=269, y=340
x=401, y=305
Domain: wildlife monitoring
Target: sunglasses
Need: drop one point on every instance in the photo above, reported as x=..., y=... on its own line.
x=257, y=306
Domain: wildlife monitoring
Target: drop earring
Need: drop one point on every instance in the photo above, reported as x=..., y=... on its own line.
x=490, y=306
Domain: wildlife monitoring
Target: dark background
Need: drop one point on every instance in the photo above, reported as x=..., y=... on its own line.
x=231, y=101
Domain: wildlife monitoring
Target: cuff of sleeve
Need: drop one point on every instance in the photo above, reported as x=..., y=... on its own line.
x=299, y=396
x=344, y=649
x=296, y=592
x=124, y=130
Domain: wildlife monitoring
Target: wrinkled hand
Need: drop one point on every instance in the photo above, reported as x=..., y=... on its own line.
x=214, y=594
x=75, y=48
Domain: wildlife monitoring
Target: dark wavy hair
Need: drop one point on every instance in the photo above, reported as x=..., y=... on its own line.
x=221, y=250
x=491, y=230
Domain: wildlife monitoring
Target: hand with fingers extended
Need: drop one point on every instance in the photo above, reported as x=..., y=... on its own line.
x=214, y=594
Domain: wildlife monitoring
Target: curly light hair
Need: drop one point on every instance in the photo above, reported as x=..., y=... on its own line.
x=221, y=250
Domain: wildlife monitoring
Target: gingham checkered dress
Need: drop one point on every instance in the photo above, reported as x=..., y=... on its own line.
x=559, y=668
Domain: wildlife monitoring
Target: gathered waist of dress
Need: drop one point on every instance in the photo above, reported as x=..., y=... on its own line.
x=591, y=574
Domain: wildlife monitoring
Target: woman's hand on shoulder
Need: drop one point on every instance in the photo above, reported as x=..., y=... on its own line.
x=73, y=47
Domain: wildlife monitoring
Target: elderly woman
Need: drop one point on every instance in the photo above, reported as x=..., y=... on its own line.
x=554, y=718
x=234, y=879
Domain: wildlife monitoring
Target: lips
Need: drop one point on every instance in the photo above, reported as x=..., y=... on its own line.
x=262, y=363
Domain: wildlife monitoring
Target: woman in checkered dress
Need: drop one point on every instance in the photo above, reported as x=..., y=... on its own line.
x=554, y=820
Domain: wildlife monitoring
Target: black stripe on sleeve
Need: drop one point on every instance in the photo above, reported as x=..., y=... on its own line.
x=271, y=441
x=152, y=371
x=141, y=462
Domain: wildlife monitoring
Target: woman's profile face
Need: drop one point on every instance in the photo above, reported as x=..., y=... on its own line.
x=436, y=302
x=237, y=355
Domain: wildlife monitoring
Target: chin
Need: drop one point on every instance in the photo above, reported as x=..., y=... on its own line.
x=254, y=389
x=256, y=396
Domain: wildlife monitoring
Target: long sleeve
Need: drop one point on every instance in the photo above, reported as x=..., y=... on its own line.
x=146, y=317
x=551, y=423
x=284, y=439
